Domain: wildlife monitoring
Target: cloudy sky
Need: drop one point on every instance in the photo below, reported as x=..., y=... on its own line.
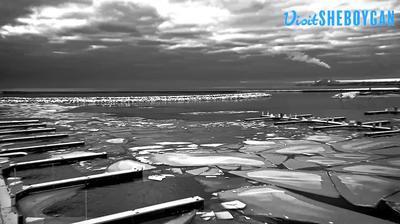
x=185, y=44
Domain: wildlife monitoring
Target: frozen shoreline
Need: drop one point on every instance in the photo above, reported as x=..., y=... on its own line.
x=133, y=99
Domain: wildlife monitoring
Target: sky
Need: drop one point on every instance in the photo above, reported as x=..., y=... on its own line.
x=186, y=44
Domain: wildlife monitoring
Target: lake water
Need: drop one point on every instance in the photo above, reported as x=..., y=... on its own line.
x=176, y=138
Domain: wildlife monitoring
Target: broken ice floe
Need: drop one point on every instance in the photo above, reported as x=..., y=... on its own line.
x=294, y=164
x=309, y=149
x=322, y=161
x=159, y=177
x=364, y=190
x=233, y=204
x=176, y=170
x=223, y=215
x=370, y=169
x=116, y=140
x=212, y=145
x=363, y=145
x=220, y=183
x=128, y=164
x=393, y=151
x=256, y=142
x=270, y=201
x=391, y=162
x=275, y=159
x=205, y=171
x=286, y=146
x=138, y=148
x=207, y=215
x=173, y=143
x=357, y=157
x=326, y=138
x=394, y=201
x=207, y=159
x=315, y=182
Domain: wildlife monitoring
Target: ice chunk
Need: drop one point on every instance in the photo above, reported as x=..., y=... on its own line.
x=207, y=214
x=211, y=145
x=128, y=164
x=326, y=138
x=294, y=164
x=159, y=177
x=228, y=167
x=315, y=182
x=371, y=169
x=346, y=95
x=34, y=220
x=177, y=170
x=320, y=160
x=206, y=171
x=236, y=204
x=197, y=171
x=363, y=145
x=221, y=183
x=393, y=151
x=353, y=156
x=307, y=149
x=364, y=190
x=276, y=159
x=255, y=142
x=138, y=148
x=212, y=172
x=223, y=215
x=275, y=202
x=256, y=148
x=207, y=159
x=174, y=143
x=116, y=140
x=391, y=161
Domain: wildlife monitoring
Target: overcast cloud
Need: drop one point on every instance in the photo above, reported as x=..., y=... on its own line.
x=198, y=32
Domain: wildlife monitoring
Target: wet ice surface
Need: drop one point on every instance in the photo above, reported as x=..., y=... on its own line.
x=364, y=190
x=314, y=182
x=276, y=203
x=311, y=176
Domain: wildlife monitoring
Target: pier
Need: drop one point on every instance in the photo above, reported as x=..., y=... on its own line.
x=394, y=110
x=382, y=133
x=91, y=180
x=378, y=123
x=52, y=161
x=32, y=138
x=22, y=126
x=329, y=122
x=351, y=125
x=10, y=192
x=11, y=122
x=27, y=131
x=8, y=213
x=326, y=120
x=39, y=148
x=150, y=212
x=13, y=154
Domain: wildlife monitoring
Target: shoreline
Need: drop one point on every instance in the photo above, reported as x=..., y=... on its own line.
x=44, y=93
